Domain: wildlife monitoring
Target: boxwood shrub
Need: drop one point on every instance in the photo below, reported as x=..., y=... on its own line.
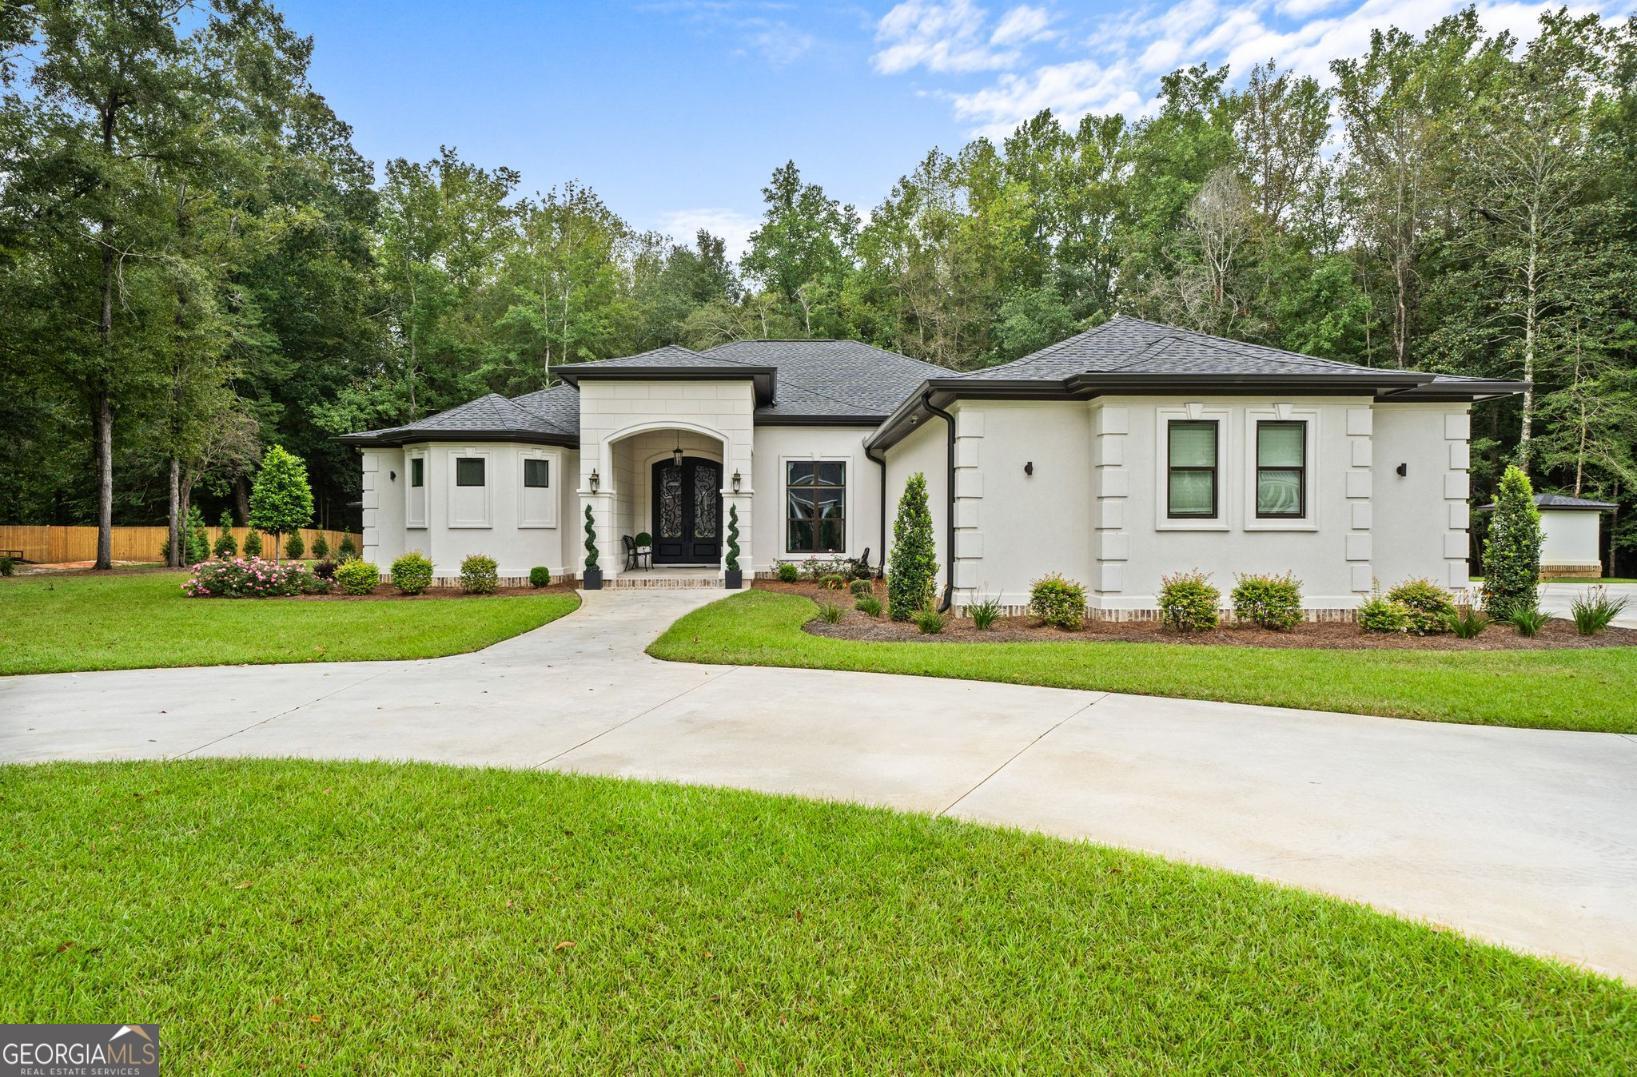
x=357, y=577
x=1381, y=614
x=1188, y=601
x=539, y=576
x=1427, y=607
x=1268, y=601
x=788, y=572
x=1058, y=601
x=479, y=575
x=412, y=573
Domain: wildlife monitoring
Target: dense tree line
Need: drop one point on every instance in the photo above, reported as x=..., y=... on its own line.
x=195, y=262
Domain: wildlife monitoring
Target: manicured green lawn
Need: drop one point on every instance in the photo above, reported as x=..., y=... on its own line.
x=388, y=918
x=63, y=623
x=1567, y=689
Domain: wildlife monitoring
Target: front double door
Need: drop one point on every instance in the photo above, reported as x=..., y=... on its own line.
x=687, y=514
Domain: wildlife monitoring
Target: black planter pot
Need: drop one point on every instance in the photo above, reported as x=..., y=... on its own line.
x=734, y=579
x=592, y=580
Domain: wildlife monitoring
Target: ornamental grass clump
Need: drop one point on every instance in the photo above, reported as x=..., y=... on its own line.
x=1595, y=611
x=830, y=613
x=1272, y=602
x=1427, y=607
x=1529, y=622
x=870, y=606
x=929, y=620
x=1188, y=601
x=1467, y=622
x=1058, y=601
x=412, y=573
x=985, y=612
x=479, y=575
x=357, y=577
x=253, y=578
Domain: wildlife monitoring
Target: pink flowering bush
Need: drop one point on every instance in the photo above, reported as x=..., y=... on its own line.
x=252, y=578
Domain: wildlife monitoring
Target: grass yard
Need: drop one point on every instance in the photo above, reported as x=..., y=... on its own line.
x=57, y=624
x=407, y=918
x=1579, y=689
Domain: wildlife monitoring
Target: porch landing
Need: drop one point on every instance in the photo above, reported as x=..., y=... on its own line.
x=666, y=576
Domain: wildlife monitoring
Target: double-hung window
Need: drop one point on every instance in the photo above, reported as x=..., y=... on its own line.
x=1191, y=486
x=815, y=495
x=1281, y=470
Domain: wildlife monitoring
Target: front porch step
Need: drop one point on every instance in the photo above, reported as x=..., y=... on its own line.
x=640, y=581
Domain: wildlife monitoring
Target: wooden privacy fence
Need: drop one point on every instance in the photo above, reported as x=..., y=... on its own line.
x=48, y=543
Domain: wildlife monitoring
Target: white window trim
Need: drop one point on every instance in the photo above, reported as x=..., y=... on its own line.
x=425, y=488
x=554, y=467
x=846, y=502
x=1162, y=471
x=488, y=489
x=1278, y=413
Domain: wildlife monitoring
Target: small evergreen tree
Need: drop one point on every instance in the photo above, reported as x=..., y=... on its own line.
x=1512, y=549
x=733, y=538
x=252, y=543
x=914, y=561
x=227, y=547
x=197, y=544
x=280, y=499
x=321, y=546
x=347, y=550
x=295, y=546
x=590, y=541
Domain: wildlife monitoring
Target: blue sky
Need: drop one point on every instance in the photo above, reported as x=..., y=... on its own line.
x=676, y=111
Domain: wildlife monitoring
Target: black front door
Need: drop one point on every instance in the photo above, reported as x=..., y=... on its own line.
x=687, y=512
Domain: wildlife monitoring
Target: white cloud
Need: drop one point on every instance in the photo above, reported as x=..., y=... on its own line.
x=946, y=38
x=1122, y=58
x=1023, y=24
x=733, y=226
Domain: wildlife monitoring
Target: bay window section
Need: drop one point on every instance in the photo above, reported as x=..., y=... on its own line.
x=815, y=506
x=1191, y=491
x=1281, y=470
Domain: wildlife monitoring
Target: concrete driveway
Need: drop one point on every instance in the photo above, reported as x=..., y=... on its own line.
x=1524, y=837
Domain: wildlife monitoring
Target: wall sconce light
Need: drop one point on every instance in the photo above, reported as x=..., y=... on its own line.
x=1028, y=469
x=736, y=480
x=1403, y=469
x=595, y=478
x=392, y=476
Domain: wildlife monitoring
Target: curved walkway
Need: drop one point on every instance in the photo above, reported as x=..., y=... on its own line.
x=1519, y=836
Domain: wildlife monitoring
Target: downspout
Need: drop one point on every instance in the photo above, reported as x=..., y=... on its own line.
x=881, y=550
x=949, y=506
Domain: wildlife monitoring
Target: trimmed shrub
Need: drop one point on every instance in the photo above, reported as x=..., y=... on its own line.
x=1427, y=607
x=241, y=578
x=732, y=562
x=8, y=567
x=357, y=577
x=1058, y=601
x=1269, y=601
x=1512, y=548
x=347, y=550
x=914, y=553
x=868, y=605
x=539, y=576
x=252, y=543
x=412, y=574
x=861, y=588
x=590, y=541
x=929, y=620
x=325, y=569
x=1188, y=601
x=1529, y=622
x=1595, y=611
x=321, y=546
x=227, y=547
x=829, y=612
x=984, y=614
x=788, y=572
x=294, y=546
x=1381, y=614
x=479, y=575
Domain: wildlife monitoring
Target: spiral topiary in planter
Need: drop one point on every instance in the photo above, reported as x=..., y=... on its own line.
x=735, y=579
x=593, y=579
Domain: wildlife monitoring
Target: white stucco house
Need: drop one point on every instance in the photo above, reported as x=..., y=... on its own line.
x=1117, y=456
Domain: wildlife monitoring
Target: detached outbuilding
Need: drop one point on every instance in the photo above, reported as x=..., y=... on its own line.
x=1570, y=535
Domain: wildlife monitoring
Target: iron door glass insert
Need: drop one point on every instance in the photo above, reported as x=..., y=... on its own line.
x=687, y=512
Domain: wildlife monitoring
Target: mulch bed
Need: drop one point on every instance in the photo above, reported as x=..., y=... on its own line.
x=1323, y=635
x=387, y=592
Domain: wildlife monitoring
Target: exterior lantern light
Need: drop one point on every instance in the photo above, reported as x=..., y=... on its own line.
x=736, y=480
x=594, y=480
x=676, y=455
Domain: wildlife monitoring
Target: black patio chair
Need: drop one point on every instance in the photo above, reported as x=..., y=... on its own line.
x=636, y=556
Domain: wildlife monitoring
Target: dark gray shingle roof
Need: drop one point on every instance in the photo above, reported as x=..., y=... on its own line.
x=831, y=378
x=670, y=356
x=489, y=415
x=1127, y=345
